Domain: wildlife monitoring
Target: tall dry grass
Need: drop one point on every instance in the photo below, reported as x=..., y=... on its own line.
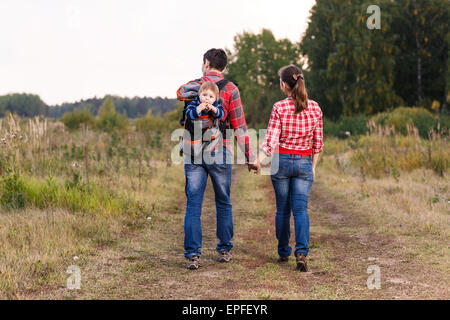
x=383, y=151
x=401, y=181
x=66, y=194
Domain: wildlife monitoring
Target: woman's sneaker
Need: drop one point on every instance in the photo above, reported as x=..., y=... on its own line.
x=224, y=256
x=193, y=263
x=301, y=262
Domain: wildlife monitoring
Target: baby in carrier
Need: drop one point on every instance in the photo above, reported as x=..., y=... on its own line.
x=206, y=103
x=202, y=122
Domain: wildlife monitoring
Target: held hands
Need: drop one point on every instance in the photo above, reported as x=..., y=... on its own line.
x=256, y=166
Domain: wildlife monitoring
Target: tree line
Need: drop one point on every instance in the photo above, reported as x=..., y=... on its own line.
x=30, y=105
x=351, y=69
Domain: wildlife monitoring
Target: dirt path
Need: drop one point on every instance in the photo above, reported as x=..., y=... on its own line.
x=149, y=264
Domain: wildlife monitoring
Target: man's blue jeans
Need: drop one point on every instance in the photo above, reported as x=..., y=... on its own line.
x=196, y=179
x=292, y=183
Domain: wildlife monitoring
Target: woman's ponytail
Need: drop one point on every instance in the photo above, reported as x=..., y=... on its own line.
x=293, y=76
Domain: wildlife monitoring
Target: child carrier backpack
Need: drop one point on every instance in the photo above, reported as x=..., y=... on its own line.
x=204, y=133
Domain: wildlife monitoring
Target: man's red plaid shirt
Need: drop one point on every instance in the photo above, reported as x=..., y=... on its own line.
x=299, y=132
x=233, y=106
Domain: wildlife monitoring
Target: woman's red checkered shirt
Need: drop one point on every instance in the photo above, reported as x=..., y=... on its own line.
x=299, y=132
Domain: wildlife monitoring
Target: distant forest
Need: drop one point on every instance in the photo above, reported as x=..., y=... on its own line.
x=29, y=105
x=350, y=69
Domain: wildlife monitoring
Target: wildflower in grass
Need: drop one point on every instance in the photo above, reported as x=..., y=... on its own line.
x=76, y=165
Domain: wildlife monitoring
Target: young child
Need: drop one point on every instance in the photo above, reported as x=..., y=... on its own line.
x=206, y=103
x=204, y=113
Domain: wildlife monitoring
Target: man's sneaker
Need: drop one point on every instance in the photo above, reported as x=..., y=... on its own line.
x=193, y=263
x=283, y=259
x=301, y=262
x=224, y=256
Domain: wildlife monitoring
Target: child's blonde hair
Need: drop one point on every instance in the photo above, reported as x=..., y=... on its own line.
x=208, y=85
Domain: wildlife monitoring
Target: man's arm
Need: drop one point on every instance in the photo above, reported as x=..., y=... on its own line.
x=239, y=125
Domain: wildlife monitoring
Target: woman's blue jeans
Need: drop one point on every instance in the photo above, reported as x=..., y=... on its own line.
x=196, y=179
x=292, y=183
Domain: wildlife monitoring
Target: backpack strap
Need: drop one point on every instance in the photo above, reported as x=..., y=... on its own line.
x=222, y=83
x=223, y=125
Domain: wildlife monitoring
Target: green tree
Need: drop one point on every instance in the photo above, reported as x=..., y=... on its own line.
x=317, y=45
x=254, y=65
x=350, y=66
x=108, y=119
x=447, y=98
x=25, y=105
x=421, y=68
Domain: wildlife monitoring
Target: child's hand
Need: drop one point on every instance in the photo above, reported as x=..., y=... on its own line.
x=213, y=109
x=210, y=107
x=201, y=107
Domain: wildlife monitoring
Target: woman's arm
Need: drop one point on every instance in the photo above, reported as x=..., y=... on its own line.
x=317, y=145
x=271, y=139
x=315, y=159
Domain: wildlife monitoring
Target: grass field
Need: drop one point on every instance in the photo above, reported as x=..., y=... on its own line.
x=113, y=205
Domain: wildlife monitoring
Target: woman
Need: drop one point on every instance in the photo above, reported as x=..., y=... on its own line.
x=295, y=136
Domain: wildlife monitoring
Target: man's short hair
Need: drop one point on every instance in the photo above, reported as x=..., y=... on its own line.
x=208, y=85
x=217, y=58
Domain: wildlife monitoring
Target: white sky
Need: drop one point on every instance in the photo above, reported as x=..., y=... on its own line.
x=68, y=50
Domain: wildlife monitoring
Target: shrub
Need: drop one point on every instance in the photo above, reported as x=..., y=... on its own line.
x=402, y=117
x=150, y=123
x=385, y=153
x=73, y=120
x=108, y=119
x=345, y=126
x=13, y=191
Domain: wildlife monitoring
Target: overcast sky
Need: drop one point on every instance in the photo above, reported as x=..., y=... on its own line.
x=68, y=50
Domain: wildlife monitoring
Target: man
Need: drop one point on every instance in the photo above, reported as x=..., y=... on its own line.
x=214, y=64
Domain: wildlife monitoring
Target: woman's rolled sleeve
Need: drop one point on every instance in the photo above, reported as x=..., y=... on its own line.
x=317, y=144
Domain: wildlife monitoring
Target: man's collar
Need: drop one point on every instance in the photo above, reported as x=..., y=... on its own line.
x=214, y=73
